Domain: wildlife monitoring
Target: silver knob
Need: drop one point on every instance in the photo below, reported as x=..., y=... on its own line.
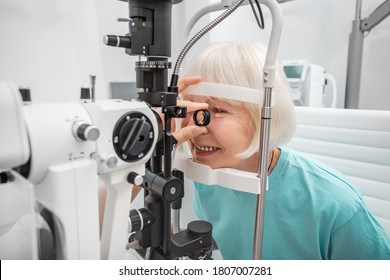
x=84, y=131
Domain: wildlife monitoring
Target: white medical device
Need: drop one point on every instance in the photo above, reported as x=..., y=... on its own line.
x=308, y=82
x=70, y=145
x=18, y=219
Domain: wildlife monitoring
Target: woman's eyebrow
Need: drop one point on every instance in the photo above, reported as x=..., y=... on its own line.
x=224, y=104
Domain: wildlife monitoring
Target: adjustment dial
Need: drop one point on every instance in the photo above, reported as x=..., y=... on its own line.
x=133, y=136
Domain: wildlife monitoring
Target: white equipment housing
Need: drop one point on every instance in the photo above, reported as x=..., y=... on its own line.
x=13, y=141
x=71, y=144
x=18, y=220
x=308, y=83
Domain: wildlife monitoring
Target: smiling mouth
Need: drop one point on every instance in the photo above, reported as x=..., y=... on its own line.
x=207, y=149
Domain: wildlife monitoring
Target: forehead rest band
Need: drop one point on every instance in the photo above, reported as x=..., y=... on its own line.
x=225, y=91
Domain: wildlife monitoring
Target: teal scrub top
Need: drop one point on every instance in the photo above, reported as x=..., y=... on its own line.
x=311, y=213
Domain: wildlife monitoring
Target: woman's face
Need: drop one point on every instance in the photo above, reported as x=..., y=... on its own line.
x=228, y=135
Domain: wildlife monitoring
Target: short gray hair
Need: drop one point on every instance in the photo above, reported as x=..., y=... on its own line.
x=241, y=64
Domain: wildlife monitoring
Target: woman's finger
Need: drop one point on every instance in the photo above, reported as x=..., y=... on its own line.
x=188, y=132
x=185, y=81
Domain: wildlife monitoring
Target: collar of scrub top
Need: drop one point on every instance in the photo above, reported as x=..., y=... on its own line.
x=226, y=177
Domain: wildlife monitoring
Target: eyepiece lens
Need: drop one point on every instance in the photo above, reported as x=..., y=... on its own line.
x=201, y=117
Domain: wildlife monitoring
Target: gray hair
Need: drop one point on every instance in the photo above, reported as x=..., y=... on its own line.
x=241, y=64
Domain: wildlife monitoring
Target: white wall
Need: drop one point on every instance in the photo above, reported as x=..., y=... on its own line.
x=54, y=45
x=319, y=31
x=50, y=45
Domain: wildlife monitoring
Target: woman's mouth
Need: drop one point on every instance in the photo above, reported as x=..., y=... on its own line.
x=205, y=150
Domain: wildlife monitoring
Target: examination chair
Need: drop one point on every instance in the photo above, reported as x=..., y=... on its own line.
x=357, y=143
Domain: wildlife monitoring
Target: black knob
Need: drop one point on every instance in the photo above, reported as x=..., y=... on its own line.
x=117, y=41
x=85, y=93
x=169, y=188
x=180, y=175
x=26, y=94
x=4, y=177
x=199, y=228
x=135, y=179
x=140, y=219
x=173, y=189
x=135, y=219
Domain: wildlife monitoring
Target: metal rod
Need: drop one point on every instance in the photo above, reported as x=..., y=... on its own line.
x=376, y=17
x=93, y=81
x=166, y=228
x=175, y=221
x=268, y=82
x=358, y=14
x=354, y=63
x=354, y=66
x=355, y=50
x=262, y=173
x=168, y=142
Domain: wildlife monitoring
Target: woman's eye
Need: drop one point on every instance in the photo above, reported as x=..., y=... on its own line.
x=219, y=111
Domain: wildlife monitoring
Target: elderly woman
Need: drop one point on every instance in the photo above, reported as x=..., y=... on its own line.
x=311, y=210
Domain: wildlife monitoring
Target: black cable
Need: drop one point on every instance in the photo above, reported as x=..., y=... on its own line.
x=260, y=21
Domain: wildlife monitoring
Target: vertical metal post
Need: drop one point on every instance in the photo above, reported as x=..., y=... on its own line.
x=93, y=82
x=354, y=66
x=262, y=173
x=268, y=82
x=355, y=51
x=358, y=13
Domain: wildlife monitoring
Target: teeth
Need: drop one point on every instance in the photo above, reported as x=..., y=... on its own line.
x=206, y=149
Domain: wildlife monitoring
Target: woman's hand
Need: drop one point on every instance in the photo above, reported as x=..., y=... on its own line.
x=186, y=81
x=189, y=131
